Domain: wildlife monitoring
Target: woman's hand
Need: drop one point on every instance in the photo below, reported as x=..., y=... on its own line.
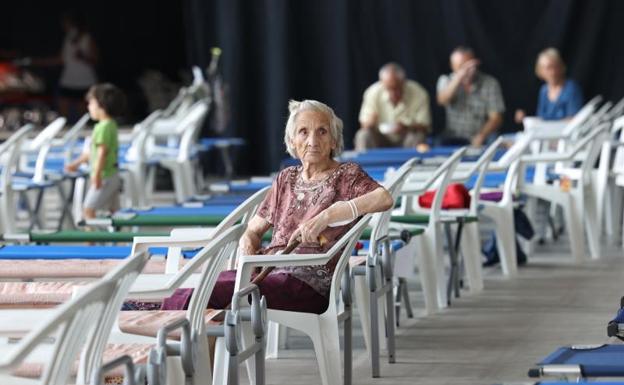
x=519, y=115
x=312, y=228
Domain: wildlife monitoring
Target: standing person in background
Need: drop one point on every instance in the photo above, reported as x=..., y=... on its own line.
x=395, y=112
x=79, y=55
x=473, y=101
x=559, y=97
x=105, y=101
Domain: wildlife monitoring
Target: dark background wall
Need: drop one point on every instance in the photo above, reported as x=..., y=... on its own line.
x=131, y=36
x=331, y=50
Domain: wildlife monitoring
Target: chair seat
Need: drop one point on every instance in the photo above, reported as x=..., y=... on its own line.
x=366, y=234
x=491, y=196
x=148, y=322
x=422, y=219
x=36, y=294
x=67, y=268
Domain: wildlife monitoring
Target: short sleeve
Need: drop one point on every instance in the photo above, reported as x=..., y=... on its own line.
x=495, y=98
x=101, y=134
x=369, y=106
x=442, y=82
x=268, y=207
x=358, y=181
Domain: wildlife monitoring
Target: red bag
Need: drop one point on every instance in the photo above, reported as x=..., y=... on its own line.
x=456, y=197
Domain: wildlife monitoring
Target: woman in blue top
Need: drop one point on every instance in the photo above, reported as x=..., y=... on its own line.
x=559, y=98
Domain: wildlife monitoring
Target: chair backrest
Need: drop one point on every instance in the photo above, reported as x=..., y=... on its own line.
x=42, y=144
x=123, y=276
x=617, y=110
x=10, y=152
x=599, y=135
x=482, y=166
x=189, y=129
x=381, y=221
x=71, y=137
x=213, y=257
x=85, y=321
x=582, y=115
x=618, y=160
x=519, y=147
x=345, y=246
x=439, y=180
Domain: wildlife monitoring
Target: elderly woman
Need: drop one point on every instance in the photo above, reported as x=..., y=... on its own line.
x=307, y=201
x=559, y=98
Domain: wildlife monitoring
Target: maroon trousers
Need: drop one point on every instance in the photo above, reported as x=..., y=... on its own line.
x=281, y=290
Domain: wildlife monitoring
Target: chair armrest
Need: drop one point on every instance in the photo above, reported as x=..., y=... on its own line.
x=280, y=260
x=143, y=243
x=246, y=264
x=548, y=157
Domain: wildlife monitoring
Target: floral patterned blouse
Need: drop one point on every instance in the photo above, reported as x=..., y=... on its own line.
x=291, y=201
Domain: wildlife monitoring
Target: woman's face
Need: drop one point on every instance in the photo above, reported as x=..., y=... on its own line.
x=313, y=141
x=550, y=69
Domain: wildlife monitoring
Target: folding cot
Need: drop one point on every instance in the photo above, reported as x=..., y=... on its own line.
x=587, y=361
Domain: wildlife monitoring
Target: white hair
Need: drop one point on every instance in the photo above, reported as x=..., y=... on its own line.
x=335, y=124
x=392, y=68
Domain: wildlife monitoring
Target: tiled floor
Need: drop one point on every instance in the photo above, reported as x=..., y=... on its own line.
x=494, y=336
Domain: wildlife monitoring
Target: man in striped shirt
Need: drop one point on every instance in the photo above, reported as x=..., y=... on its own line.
x=473, y=101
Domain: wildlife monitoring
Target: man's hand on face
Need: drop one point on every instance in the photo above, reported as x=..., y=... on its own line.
x=468, y=69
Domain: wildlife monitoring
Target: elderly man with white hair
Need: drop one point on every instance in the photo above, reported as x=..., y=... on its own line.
x=395, y=112
x=303, y=201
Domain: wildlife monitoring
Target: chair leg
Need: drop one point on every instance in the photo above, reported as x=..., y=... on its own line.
x=221, y=364
x=429, y=274
x=590, y=216
x=273, y=336
x=390, y=328
x=505, y=242
x=325, y=339
x=397, y=300
x=471, y=250
x=248, y=339
x=406, y=301
x=363, y=302
x=575, y=230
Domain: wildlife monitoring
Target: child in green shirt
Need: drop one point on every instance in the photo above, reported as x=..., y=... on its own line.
x=105, y=101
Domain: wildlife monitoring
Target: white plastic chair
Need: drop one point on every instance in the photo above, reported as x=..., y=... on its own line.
x=578, y=204
x=373, y=289
x=321, y=328
x=501, y=212
x=430, y=256
x=10, y=151
x=85, y=321
x=211, y=259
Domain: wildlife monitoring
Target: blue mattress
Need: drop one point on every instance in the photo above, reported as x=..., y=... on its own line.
x=224, y=209
x=604, y=361
x=76, y=252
